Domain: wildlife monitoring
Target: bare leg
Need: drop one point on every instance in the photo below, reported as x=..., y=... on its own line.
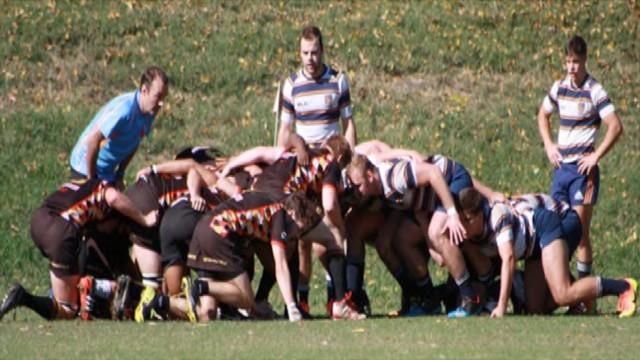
x=556, y=272
x=584, y=253
x=173, y=275
x=150, y=265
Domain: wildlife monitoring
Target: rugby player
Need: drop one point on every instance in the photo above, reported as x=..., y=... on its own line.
x=582, y=105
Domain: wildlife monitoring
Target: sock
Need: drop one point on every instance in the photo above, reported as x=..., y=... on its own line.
x=102, y=289
x=611, y=286
x=406, y=284
x=303, y=293
x=42, y=305
x=354, y=273
x=151, y=280
x=201, y=287
x=583, y=268
x=336, y=269
x=425, y=287
x=331, y=291
x=464, y=285
x=294, y=272
x=267, y=280
x=160, y=304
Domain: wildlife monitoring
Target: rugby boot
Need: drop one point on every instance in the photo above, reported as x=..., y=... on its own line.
x=627, y=300
x=468, y=307
x=191, y=294
x=87, y=302
x=12, y=299
x=346, y=309
x=144, y=310
x=122, y=300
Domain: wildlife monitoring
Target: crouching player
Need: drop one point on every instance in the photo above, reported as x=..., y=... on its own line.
x=216, y=253
x=57, y=229
x=535, y=233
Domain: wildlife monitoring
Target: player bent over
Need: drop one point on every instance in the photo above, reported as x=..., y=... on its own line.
x=532, y=233
x=57, y=230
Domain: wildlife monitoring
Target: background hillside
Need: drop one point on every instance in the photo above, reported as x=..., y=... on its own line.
x=461, y=78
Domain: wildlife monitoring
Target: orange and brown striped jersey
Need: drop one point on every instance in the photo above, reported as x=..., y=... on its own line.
x=80, y=202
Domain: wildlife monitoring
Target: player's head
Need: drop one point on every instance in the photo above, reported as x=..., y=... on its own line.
x=154, y=86
x=576, y=58
x=305, y=212
x=311, y=49
x=471, y=204
x=340, y=149
x=363, y=176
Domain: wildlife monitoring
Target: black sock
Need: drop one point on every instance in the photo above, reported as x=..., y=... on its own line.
x=294, y=272
x=43, y=305
x=406, y=284
x=336, y=269
x=202, y=287
x=613, y=287
x=303, y=293
x=354, y=271
x=464, y=285
x=425, y=287
x=267, y=280
x=331, y=291
x=160, y=304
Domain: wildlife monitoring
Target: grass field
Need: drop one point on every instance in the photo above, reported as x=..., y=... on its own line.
x=462, y=78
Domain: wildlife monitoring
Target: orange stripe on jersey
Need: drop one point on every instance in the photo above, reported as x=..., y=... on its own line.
x=588, y=193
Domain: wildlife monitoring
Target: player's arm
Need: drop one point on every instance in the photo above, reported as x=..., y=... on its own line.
x=93, y=147
x=397, y=153
x=296, y=142
x=283, y=278
x=614, y=130
x=429, y=175
x=372, y=147
x=194, y=184
x=349, y=128
x=120, y=202
x=544, y=128
x=492, y=195
x=256, y=155
x=176, y=167
x=346, y=113
x=332, y=211
x=505, y=249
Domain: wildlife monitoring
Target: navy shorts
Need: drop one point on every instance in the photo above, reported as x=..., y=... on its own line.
x=460, y=180
x=572, y=228
x=548, y=227
x=574, y=188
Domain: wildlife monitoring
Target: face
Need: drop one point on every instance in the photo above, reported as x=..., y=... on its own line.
x=576, y=67
x=152, y=96
x=366, y=185
x=473, y=223
x=311, y=57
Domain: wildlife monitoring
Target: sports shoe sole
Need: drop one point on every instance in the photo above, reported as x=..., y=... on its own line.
x=633, y=287
x=12, y=299
x=192, y=302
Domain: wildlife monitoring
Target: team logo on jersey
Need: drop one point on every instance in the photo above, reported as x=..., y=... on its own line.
x=581, y=107
x=578, y=196
x=327, y=99
x=283, y=235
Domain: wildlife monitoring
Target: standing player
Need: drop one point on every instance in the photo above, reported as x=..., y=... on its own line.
x=57, y=229
x=108, y=144
x=315, y=99
x=582, y=105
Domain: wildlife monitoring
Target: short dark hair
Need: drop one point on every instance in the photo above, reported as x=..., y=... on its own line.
x=312, y=32
x=576, y=46
x=201, y=154
x=471, y=200
x=307, y=210
x=151, y=73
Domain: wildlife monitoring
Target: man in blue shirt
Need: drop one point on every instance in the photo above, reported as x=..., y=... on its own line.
x=108, y=144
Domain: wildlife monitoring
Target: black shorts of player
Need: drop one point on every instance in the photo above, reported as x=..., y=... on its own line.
x=176, y=230
x=220, y=258
x=144, y=199
x=107, y=251
x=57, y=239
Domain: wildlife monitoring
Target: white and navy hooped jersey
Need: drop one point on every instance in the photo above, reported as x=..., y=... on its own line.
x=398, y=179
x=529, y=202
x=504, y=224
x=581, y=110
x=316, y=105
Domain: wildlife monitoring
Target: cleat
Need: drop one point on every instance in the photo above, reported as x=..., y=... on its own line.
x=305, y=309
x=424, y=307
x=627, y=300
x=122, y=299
x=345, y=309
x=190, y=293
x=143, y=310
x=87, y=302
x=262, y=310
x=12, y=300
x=468, y=307
x=578, y=309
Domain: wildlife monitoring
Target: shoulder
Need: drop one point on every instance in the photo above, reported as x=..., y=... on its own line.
x=500, y=213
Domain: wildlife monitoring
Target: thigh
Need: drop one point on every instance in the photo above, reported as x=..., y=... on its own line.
x=555, y=266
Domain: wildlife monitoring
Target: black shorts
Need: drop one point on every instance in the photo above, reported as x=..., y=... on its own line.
x=176, y=231
x=144, y=199
x=57, y=239
x=220, y=257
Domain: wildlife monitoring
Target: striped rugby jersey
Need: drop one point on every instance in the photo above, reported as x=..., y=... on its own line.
x=80, y=202
x=581, y=110
x=316, y=105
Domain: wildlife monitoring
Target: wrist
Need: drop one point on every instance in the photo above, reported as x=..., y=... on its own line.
x=451, y=211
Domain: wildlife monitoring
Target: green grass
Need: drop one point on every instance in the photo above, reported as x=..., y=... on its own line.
x=478, y=338
x=461, y=78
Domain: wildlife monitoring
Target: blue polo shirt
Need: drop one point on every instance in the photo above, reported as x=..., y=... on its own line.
x=123, y=126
